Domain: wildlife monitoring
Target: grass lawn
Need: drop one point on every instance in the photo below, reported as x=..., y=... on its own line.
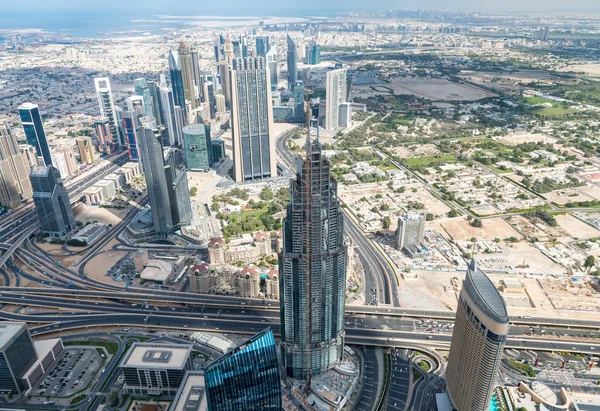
x=426, y=161
x=497, y=170
x=536, y=100
x=253, y=213
x=555, y=111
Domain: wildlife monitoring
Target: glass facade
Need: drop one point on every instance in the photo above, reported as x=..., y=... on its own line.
x=196, y=149
x=292, y=60
x=34, y=131
x=51, y=201
x=246, y=378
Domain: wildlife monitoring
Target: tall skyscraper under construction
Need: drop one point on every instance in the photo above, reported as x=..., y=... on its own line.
x=313, y=267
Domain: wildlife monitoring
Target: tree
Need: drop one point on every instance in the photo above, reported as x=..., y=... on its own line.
x=452, y=213
x=590, y=261
x=429, y=217
x=266, y=194
x=477, y=223
x=387, y=222
x=193, y=191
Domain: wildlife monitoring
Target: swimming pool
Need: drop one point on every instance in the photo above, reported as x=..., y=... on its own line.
x=493, y=404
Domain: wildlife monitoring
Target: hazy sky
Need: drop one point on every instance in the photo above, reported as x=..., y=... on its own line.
x=280, y=7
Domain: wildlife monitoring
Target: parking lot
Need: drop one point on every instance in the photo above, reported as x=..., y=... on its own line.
x=71, y=372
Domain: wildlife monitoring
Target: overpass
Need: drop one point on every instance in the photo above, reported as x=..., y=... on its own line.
x=9, y=249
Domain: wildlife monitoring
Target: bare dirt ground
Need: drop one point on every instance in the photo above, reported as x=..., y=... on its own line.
x=100, y=264
x=437, y=89
x=569, y=195
x=85, y=213
x=526, y=138
x=575, y=227
x=415, y=151
x=461, y=230
x=432, y=290
x=589, y=69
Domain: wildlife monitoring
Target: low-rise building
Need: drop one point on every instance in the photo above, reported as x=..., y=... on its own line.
x=157, y=271
x=108, y=188
x=140, y=259
x=191, y=395
x=117, y=180
x=93, y=195
x=219, y=252
x=90, y=233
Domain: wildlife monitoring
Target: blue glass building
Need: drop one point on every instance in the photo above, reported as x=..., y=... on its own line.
x=34, y=131
x=176, y=79
x=246, y=378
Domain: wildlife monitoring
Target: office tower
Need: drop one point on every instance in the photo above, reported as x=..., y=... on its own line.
x=196, y=71
x=292, y=58
x=51, y=201
x=136, y=104
x=180, y=122
x=228, y=50
x=151, y=157
x=196, y=149
x=179, y=192
x=59, y=161
x=72, y=166
x=155, y=369
x=335, y=94
x=211, y=157
x=218, y=46
x=187, y=74
x=314, y=54
x=273, y=67
x=156, y=102
x=176, y=79
x=34, y=131
x=17, y=355
x=299, y=102
x=14, y=170
x=345, y=115
x=302, y=52
x=262, y=46
x=237, y=49
x=246, y=378
x=411, y=230
x=107, y=109
x=142, y=90
x=168, y=111
x=252, y=121
x=313, y=271
x=30, y=153
x=220, y=100
x=130, y=131
x=103, y=135
x=225, y=84
x=86, y=150
x=244, y=46
x=478, y=338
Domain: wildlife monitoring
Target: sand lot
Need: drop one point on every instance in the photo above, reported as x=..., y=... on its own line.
x=432, y=290
x=583, y=193
x=98, y=266
x=575, y=227
x=85, y=213
x=415, y=151
x=589, y=69
x=461, y=230
x=526, y=138
x=437, y=89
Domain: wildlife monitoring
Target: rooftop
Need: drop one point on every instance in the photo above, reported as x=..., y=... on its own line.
x=8, y=330
x=157, y=356
x=483, y=292
x=157, y=270
x=191, y=394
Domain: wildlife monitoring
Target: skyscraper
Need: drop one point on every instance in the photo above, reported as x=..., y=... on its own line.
x=179, y=192
x=299, y=102
x=225, y=83
x=246, y=378
x=51, y=201
x=196, y=149
x=72, y=166
x=142, y=90
x=17, y=355
x=176, y=80
x=86, y=150
x=107, y=108
x=228, y=49
x=262, y=46
x=478, y=338
x=14, y=170
x=313, y=271
x=156, y=102
x=152, y=159
x=130, y=130
x=411, y=230
x=292, y=59
x=335, y=95
x=103, y=135
x=34, y=131
x=187, y=73
x=196, y=71
x=168, y=112
x=314, y=54
x=273, y=67
x=252, y=121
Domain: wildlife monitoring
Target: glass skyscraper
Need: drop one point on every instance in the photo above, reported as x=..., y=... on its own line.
x=252, y=121
x=143, y=90
x=196, y=148
x=292, y=60
x=34, y=131
x=107, y=108
x=313, y=271
x=246, y=378
x=51, y=201
x=176, y=80
x=299, y=103
x=262, y=46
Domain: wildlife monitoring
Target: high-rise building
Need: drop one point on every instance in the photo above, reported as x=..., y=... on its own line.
x=156, y=102
x=103, y=135
x=237, y=49
x=51, y=201
x=168, y=112
x=292, y=60
x=345, y=115
x=179, y=192
x=252, y=121
x=196, y=148
x=187, y=73
x=59, y=161
x=478, y=338
x=180, y=123
x=313, y=271
x=86, y=150
x=314, y=54
x=220, y=100
x=246, y=378
x=14, y=170
x=299, y=102
x=142, y=90
x=30, y=153
x=17, y=355
x=262, y=46
x=228, y=50
x=225, y=83
x=34, y=132
x=152, y=159
x=70, y=160
x=176, y=80
x=411, y=230
x=196, y=71
x=136, y=103
x=130, y=131
x=335, y=94
x=273, y=67
x=107, y=109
